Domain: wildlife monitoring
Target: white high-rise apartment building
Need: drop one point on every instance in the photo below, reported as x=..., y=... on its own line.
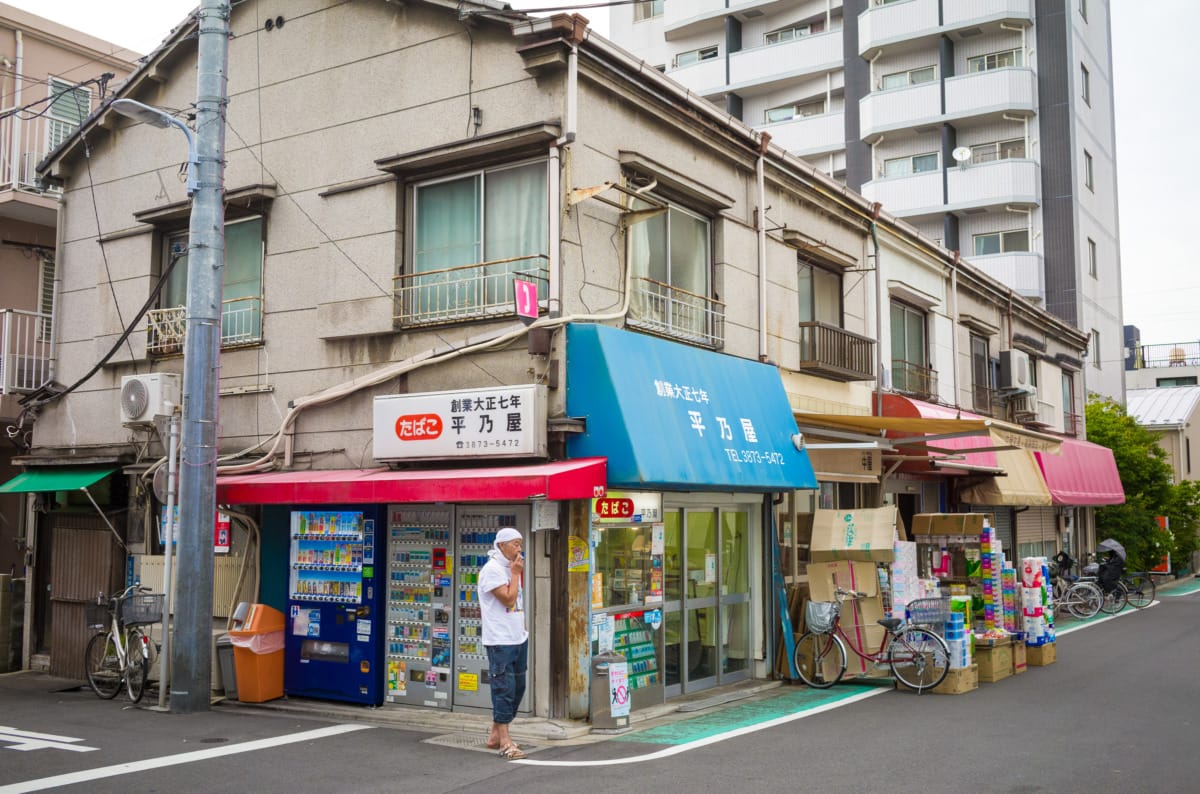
x=987, y=124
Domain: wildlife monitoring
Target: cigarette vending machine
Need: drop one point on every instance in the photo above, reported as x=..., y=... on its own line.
x=333, y=648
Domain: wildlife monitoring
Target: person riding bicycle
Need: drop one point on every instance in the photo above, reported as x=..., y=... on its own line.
x=1110, y=572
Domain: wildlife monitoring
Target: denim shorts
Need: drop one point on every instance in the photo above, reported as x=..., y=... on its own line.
x=506, y=668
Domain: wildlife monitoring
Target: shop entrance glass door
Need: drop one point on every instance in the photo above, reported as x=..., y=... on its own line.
x=707, y=598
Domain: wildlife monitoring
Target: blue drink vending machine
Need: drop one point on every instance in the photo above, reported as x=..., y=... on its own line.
x=334, y=645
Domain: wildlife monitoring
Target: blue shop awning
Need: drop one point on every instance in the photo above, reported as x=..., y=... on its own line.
x=673, y=417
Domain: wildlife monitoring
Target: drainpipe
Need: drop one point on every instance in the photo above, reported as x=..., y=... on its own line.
x=554, y=182
x=18, y=70
x=954, y=324
x=764, y=140
x=875, y=208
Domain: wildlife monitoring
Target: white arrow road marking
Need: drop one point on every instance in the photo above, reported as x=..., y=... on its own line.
x=172, y=760
x=28, y=740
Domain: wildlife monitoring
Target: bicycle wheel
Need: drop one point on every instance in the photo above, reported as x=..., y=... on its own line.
x=1084, y=600
x=138, y=667
x=820, y=659
x=103, y=666
x=1115, y=599
x=919, y=658
x=1141, y=590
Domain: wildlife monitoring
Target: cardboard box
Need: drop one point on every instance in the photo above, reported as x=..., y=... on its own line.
x=958, y=681
x=859, y=618
x=994, y=661
x=1042, y=655
x=948, y=523
x=864, y=535
x=1020, y=664
x=824, y=577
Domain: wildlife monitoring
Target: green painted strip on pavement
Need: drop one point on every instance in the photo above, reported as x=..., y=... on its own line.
x=747, y=714
x=1182, y=590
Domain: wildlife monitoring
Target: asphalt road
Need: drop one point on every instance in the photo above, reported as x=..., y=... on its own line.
x=1117, y=712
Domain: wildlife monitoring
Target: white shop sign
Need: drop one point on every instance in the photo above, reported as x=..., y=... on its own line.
x=493, y=422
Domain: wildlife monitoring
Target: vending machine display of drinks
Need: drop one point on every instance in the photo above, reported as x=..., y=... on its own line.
x=334, y=638
x=419, y=607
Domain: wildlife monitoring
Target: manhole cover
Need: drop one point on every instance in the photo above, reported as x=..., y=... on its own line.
x=465, y=741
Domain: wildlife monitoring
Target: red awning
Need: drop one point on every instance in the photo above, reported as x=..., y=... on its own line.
x=895, y=405
x=583, y=478
x=1084, y=474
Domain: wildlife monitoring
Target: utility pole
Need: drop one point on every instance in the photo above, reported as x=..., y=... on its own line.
x=191, y=661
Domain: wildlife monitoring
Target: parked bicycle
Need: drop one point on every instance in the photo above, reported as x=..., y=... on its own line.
x=1135, y=588
x=1080, y=598
x=917, y=657
x=121, y=652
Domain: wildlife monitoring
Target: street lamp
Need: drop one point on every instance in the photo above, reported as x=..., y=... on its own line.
x=132, y=109
x=191, y=657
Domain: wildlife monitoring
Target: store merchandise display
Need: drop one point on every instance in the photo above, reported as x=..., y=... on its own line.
x=1037, y=604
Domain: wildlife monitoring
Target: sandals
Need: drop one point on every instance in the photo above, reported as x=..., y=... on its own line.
x=512, y=753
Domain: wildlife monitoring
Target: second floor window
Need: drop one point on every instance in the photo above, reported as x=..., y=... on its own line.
x=695, y=56
x=795, y=111
x=981, y=374
x=1001, y=242
x=925, y=74
x=242, y=292
x=995, y=60
x=912, y=164
x=1091, y=246
x=68, y=108
x=820, y=293
x=1013, y=148
x=1089, y=173
x=792, y=32
x=909, y=349
x=669, y=254
x=648, y=10
x=1085, y=83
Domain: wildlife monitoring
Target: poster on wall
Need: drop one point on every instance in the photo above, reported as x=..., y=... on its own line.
x=578, y=557
x=618, y=688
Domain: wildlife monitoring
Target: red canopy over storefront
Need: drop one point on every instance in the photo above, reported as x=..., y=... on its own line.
x=1084, y=474
x=583, y=478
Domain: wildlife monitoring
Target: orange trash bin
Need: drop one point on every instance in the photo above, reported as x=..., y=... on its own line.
x=258, y=655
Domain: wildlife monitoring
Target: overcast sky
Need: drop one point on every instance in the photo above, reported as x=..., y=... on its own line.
x=1157, y=119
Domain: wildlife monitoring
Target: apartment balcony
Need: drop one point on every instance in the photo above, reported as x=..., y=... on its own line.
x=704, y=77
x=916, y=21
x=987, y=401
x=899, y=108
x=468, y=292
x=241, y=326
x=688, y=18
x=23, y=144
x=914, y=379
x=772, y=66
x=674, y=313
x=1021, y=270
x=810, y=134
x=1072, y=424
x=999, y=183
x=835, y=353
x=909, y=196
x=26, y=349
x=988, y=96
x=1172, y=354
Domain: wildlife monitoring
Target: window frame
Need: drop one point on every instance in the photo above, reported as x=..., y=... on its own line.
x=1095, y=349
x=998, y=149
x=907, y=310
x=55, y=87
x=795, y=107
x=912, y=164
x=169, y=235
x=1018, y=56
x=981, y=365
x=802, y=264
x=1089, y=171
x=1002, y=239
x=1085, y=79
x=648, y=9
x=908, y=74
x=797, y=30
x=1092, y=268
x=1083, y=9
x=707, y=53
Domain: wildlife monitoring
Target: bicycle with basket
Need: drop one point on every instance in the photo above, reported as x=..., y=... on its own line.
x=912, y=649
x=121, y=652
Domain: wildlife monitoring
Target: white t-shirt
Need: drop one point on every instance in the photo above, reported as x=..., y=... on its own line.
x=501, y=625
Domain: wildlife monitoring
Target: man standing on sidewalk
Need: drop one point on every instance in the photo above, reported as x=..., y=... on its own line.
x=502, y=609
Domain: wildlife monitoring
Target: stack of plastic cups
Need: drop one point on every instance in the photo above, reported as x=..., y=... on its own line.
x=1048, y=599
x=959, y=644
x=1011, y=596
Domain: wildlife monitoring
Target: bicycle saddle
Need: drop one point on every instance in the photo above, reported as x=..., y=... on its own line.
x=891, y=624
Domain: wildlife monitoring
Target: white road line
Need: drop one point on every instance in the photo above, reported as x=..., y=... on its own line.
x=720, y=737
x=172, y=760
x=1098, y=621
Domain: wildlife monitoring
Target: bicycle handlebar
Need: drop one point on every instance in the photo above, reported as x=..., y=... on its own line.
x=844, y=593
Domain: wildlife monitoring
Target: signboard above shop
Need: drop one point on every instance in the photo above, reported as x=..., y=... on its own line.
x=492, y=422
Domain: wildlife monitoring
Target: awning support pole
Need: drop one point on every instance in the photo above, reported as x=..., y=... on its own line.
x=116, y=535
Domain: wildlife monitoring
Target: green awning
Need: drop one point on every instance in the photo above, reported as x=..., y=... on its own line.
x=59, y=478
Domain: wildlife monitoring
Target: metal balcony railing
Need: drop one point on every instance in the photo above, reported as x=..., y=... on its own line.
x=241, y=325
x=1072, y=424
x=29, y=137
x=675, y=313
x=986, y=400
x=466, y=292
x=835, y=353
x=26, y=347
x=1172, y=354
x=915, y=379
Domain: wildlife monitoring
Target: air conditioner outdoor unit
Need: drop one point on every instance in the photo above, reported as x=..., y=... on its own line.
x=1016, y=373
x=144, y=397
x=1023, y=406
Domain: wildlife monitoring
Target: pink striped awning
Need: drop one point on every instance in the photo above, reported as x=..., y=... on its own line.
x=1083, y=474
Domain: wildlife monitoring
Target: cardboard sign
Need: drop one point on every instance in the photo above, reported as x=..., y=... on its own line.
x=948, y=523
